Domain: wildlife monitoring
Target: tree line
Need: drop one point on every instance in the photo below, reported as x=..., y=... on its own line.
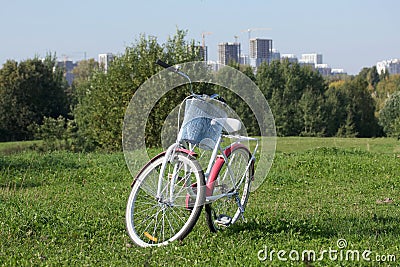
x=36, y=101
x=29, y=91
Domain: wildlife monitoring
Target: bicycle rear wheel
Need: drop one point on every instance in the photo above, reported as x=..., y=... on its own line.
x=156, y=220
x=225, y=211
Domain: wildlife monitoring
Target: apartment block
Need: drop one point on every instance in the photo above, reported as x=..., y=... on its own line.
x=260, y=51
x=391, y=66
x=228, y=52
x=105, y=60
x=312, y=58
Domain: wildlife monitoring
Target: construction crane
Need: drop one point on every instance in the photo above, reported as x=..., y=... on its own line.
x=72, y=55
x=65, y=57
x=203, y=38
x=255, y=29
x=203, y=44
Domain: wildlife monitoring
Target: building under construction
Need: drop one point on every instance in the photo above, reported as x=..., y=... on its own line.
x=260, y=51
x=228, y=52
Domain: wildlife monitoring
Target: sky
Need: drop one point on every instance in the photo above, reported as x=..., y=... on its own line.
x=350, y=34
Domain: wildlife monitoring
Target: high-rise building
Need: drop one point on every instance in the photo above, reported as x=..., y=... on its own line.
x=390, y=66
x=338, y=72
x=289, y=57
x=228, y=52
x=68, y=66
x=312, y=58
x=105, y=61
x=276, y=55
x=260, y=51
x=204, y=53
x=323, y=69
x=244, y=59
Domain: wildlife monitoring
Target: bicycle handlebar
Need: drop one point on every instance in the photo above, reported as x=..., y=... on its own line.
x=175, y=70
x=163, y=64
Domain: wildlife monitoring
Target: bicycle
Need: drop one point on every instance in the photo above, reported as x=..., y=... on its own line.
x=169, y=192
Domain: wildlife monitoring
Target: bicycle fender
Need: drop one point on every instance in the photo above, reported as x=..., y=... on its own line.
x=183, y=150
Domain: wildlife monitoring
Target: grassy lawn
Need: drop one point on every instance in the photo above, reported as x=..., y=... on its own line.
x=15, y=147
x=375, y=145
x=62, y=208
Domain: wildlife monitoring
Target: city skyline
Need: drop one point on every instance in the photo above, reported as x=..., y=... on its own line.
x=260, y=51
x=350, y=34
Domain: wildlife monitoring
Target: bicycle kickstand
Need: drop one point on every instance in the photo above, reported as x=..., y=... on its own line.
x=241, y=209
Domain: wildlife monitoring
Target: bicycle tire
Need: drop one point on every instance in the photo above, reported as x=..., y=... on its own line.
x=239, y=156
x=152, y=221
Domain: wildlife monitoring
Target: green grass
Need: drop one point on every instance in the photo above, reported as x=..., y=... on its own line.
x=16, y=147
x=62, y=208
x=377, y=145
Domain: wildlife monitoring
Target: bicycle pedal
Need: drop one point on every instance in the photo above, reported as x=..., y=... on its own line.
x=223, y=220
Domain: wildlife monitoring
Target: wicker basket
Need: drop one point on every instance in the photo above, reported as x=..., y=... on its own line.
x=197, y=127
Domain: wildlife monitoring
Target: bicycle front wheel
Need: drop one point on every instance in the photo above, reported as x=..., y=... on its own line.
x=156, y=217
x=236, y=179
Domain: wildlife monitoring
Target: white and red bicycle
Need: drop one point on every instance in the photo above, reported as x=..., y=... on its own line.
x=170, y=191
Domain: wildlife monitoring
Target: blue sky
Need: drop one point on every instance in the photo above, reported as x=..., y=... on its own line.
x=350, y=34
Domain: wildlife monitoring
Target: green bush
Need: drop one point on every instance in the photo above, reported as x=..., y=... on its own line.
x=29, y=91
x=389, y=117
x=56, y=134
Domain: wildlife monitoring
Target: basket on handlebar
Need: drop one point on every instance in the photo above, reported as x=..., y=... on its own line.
x=197, y=127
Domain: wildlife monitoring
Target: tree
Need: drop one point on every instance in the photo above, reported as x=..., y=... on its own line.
x=29, y=91
x=101, y=104
x=83, y=73
x=362, y=107
x=336, y=111
x=295, y=95
x=384, y=89
x=373, y=78
x=240, y=107
x=312, y=106
x=356, y=107
x=389, y=117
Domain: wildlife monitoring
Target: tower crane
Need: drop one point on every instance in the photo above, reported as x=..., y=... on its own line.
x=72, y=55
x=255, y=29
x=249, y=30
x=203, y=44
x=203, y=38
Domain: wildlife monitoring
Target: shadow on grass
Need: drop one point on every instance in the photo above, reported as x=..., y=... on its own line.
x=277, y=226
x=29, y=169
x=23, y=184
x=322, y=228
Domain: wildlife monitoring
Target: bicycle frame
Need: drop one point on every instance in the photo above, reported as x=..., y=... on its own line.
x=211, y=174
